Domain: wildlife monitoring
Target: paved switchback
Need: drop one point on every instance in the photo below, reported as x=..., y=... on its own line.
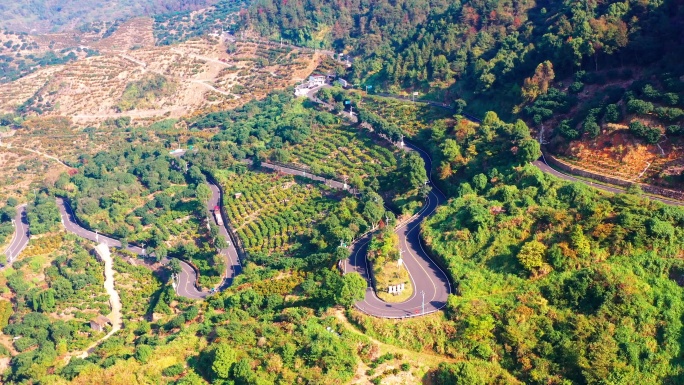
x=426, y=276
x=187, y=277
x=21, y=236
x=230, y=254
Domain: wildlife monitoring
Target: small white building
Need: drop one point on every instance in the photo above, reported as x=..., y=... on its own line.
x=315, y=81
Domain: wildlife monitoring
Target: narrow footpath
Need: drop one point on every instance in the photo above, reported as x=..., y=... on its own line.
x=114, y=300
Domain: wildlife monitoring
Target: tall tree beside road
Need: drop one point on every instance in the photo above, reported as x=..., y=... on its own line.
x=353, y=288
x=412, y=169
x=43, y=214
x=203, y=193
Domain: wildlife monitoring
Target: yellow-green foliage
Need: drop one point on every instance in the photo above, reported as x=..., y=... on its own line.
x=5, y=312
x=142, y=93
x=383, y=252
x=428, y=333
x=43, y=245
x=384, y=247
x=281, y=286
x=136, y=286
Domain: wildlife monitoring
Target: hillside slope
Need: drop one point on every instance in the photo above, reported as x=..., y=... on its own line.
x=602, y=79
x=130, y=77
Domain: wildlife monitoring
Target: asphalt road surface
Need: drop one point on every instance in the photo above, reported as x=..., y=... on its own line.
x=21, y=235
x=305, y=174
x=230, y=254
x=544, y=167
x=186, y=279
x=426, y=276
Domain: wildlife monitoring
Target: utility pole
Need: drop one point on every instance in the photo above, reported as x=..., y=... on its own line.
x=351, y=110
x=97, y=237
x=423, y=305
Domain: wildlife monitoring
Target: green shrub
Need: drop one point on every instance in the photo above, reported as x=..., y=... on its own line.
x=674, y=130
x=143, y=353
x=669, y=114
x=173, y=370
x=651, y=135
x=591, y=128
x=641, y=107
x=576, y=87
x=613, y=113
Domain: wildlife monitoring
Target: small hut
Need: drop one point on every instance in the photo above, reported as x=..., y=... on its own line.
x=98, y=323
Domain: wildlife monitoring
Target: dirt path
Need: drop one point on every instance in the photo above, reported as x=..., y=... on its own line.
x=201, y=57
x=429, y=359
x=114, y=300
x=209, y=86
x=35, y=152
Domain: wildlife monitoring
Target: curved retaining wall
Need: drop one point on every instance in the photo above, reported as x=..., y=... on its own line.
x=229, y=227
x=553, y=161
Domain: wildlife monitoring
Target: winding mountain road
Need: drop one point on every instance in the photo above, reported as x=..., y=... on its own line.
x=230, y=254
x=21, y=235
x=544, y=167
x=187, y=277
x=430, y=282
x=71, y=224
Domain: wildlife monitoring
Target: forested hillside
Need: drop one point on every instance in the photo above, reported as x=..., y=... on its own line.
x=489, y=45
x=602, y=79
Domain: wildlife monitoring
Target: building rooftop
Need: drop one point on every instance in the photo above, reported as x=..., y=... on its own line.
x=101, y=320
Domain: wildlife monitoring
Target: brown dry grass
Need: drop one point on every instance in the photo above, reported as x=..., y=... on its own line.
x=207, y=77
x=619, y=154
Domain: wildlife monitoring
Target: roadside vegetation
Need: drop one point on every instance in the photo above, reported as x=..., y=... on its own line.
x=533, y=258
x=145, y=197
x=7, y=214
x=385, y=254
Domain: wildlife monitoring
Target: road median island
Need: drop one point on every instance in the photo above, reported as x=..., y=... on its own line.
x=391, y=280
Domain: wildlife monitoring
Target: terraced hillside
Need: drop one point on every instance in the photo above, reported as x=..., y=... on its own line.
x=206, y=77
x=55, y=16
x=270, y=211
x=342, y=152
